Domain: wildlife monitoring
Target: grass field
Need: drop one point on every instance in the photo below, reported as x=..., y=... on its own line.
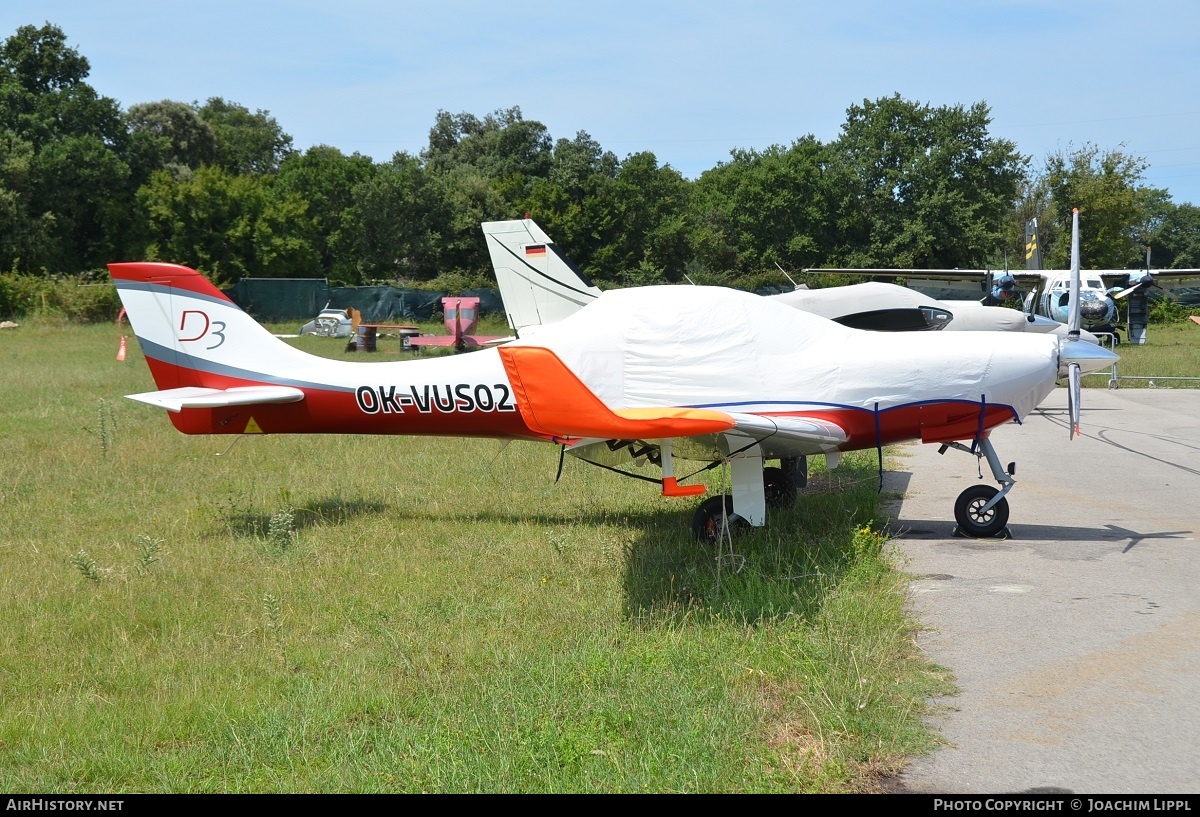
x=360, y=614
x=1171, y=351
x=327, y=614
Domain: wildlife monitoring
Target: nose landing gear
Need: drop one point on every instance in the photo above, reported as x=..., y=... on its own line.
x=981, y=511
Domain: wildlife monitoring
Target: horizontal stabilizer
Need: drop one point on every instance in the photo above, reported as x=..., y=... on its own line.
x=433, y=340
x=197, y=397
x=469, y=341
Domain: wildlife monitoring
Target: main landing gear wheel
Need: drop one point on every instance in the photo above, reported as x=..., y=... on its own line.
x=779, y=489
x=973, y=520
x=708, y=524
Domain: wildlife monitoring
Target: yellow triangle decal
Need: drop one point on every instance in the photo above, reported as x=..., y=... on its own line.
x=252, y=428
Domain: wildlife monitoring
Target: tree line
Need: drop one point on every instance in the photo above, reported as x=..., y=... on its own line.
x=221, y=188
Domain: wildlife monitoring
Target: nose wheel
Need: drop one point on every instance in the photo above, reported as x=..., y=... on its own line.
x=973, y=520
x=971, y=510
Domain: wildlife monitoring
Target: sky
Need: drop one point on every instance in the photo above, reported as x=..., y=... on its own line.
x=688, y=81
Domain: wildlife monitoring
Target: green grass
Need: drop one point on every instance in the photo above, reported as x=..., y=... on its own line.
x=1170, y=351
x=361, y=614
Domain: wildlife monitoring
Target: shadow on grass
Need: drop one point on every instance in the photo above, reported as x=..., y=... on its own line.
x=333, y=511
x=788, y=567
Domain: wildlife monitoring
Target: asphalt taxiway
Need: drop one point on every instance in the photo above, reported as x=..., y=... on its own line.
x=1075, y=642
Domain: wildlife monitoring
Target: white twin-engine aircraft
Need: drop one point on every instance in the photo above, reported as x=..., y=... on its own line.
x=721, y=376
x=1044, y=294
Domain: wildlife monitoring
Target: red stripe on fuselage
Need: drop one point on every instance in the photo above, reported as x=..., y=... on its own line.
x=935, y=422
x=324, y=411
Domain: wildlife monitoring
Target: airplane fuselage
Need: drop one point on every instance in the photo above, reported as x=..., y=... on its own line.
x=779, y=361
x=1097, y=309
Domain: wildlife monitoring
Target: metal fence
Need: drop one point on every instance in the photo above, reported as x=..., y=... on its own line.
x=1109, y=340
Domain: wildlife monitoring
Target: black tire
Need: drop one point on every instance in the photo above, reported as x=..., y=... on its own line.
x=779, y=489
x=796, y=469
x=707, y=524
x=980, y=525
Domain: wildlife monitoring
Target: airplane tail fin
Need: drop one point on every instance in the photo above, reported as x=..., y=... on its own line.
x=538, y=283
x=193, y=335
x=1033, y=246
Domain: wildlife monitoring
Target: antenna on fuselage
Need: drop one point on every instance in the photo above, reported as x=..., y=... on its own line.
x=785, y=275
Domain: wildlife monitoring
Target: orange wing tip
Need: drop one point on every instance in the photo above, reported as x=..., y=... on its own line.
x=670, y=487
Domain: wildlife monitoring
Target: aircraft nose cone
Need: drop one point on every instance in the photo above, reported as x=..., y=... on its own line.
x=1093, y=309
x=1091, y=357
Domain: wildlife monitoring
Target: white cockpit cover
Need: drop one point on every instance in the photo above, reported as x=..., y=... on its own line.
x=735, y=351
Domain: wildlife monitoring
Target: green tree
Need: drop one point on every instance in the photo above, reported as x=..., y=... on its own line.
x=245, y=142
x=21, y=235
x=921, y=186
x=1117, y=213
x=86, y=186
x=68, y=190
x=507, y=149
x=469, y=199
x=641, y=221
x=764, y=208
x=1176, y=243
x=326, y=179
x=393, y=228
x=171, y=135
x=568, y=201
x=229, y=226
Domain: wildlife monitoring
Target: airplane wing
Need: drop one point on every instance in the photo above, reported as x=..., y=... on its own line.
x=196, y=397
x=433, y=340
x=469, y=341
x=1176, y=278
x=776, y=437
x=788, y=435
x=942, y=283
x=1128, y=281
x=557, y=404
x=475, y=341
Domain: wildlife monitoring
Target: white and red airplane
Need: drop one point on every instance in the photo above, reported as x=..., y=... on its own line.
x=723, y=376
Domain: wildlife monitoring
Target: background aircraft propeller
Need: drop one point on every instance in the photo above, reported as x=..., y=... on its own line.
x=1137, y=281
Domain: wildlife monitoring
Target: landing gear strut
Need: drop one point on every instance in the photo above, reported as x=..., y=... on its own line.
x=981, y=511
x=779, y=487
